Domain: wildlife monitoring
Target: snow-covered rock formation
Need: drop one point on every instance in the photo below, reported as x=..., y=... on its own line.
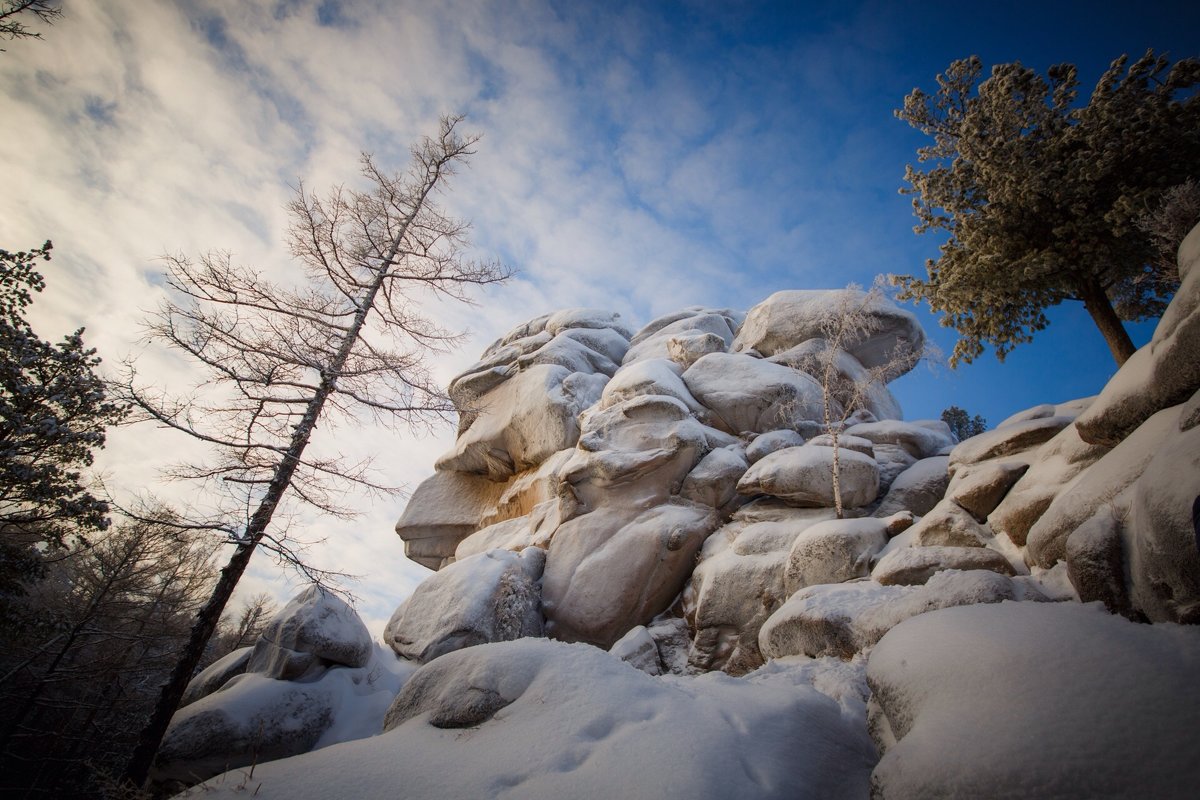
x=643, y=588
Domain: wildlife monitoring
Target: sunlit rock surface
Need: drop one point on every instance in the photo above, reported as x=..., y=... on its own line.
x=663, y=499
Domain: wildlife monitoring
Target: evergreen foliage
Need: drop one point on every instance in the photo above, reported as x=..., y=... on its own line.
x=349, y=341
x=1040, y=195
x=962, y=424
x=53, y=413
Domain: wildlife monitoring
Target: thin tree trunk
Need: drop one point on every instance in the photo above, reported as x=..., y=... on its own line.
x=138, y=768
x=1096, y=301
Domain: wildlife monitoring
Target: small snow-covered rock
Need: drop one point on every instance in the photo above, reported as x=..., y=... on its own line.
x=908, y=566
x=637, y=648
x=316, y=629
x=748, y=394
x=893, y=460
x=488, y=597
x=713, y=481
x=920, y=441
x=849, y=442
x=654, y=341
x=947, y=524
x=687, y=349
x=216, y=675
x=918, y=489
x=1037, y=700
x=803, y=476
x=766, y=443
x=1095, y=564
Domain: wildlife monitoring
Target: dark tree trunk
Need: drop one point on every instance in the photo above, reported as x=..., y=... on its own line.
x=1096, y=301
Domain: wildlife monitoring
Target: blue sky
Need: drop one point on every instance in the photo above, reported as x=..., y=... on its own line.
x=636, y=156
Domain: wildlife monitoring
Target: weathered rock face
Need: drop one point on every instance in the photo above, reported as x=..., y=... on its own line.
x=619, y=454
x=1164, y=373
x=667, y=496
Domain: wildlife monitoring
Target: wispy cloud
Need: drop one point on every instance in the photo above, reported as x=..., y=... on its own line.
x=638, y=157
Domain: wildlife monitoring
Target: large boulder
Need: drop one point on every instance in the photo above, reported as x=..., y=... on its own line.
x=788, y=318
x=1096, y=564
x=766, y=443
x=578, y=339
x=850, y=383
x=253, y=718
x=445, y=508
x=607, y=573
x=314, y=631
x=713, y=481
x=908, y=566
x=979, y=488
x=217, y=674
x=948, y=524
x=749, y=395
x=918, y=440
x=739, y=581
x=1022, y=700
x=489, y=597
x=918, y=489
x=803, y=476
x=651, y=376
x=1161, y=374
x=1007, y=440
x=837, y=550
x=523, y=421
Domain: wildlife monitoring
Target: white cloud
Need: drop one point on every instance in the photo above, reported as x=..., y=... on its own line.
x=627, y=163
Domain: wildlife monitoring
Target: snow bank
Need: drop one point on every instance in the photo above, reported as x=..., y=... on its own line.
x=571, y=721
x=1037, y=700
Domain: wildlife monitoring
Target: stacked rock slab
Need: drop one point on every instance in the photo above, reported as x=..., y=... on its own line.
x=666, y=495
x=620, y=454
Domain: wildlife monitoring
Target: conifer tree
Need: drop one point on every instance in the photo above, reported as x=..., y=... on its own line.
x=1040, y=195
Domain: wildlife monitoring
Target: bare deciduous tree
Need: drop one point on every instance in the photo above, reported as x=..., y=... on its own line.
x=278, y=359
x=845, y=383
x=13, y=12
